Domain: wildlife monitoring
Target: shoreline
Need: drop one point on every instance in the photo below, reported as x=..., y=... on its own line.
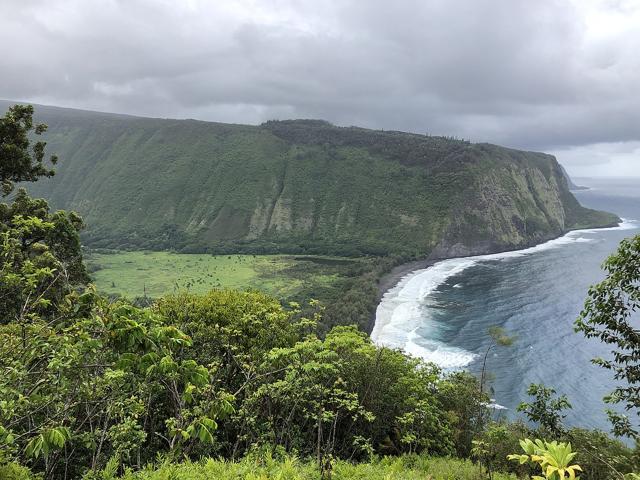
x=397, y=273
x=390, y=279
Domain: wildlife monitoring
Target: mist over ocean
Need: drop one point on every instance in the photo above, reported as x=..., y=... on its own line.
x=443, y=313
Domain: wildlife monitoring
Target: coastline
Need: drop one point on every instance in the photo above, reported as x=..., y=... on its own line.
x=392, y=278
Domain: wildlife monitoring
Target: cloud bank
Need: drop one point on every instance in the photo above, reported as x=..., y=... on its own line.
x=553, y=75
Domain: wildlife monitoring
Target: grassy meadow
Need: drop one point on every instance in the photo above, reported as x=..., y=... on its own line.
x=153, y=274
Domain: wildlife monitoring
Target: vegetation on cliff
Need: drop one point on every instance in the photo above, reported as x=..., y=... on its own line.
x=300, y=186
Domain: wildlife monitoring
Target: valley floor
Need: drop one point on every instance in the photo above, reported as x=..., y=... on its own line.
x=134, y=274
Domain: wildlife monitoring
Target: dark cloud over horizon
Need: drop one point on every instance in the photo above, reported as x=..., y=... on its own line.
x=552, y=75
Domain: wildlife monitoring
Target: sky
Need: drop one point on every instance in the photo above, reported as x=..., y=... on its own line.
x=560, y=76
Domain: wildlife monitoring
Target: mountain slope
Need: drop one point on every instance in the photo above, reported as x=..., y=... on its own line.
x=300, y=185
x=572, y=186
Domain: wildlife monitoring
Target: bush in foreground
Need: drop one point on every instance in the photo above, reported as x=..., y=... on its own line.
x=409, y=467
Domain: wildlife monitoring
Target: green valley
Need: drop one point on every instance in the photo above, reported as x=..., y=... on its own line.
x=300, y=186
x=154, y=274
x=346, y=287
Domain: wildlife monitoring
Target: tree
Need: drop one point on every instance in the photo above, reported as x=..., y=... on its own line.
x=82, y=379
x=343, y=397
x=40, y=258
x=545, y=410
x=466, y=405
x=40, y=254
x=499, y=338
x=18, y=162
x=106, y=380
x=610, y=314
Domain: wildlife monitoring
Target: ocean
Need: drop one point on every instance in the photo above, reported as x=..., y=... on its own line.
x=442, y=313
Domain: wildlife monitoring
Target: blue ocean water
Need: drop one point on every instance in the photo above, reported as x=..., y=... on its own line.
x=443, y=313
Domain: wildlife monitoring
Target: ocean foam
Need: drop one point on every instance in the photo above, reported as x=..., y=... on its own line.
x=495, y=406
x=445, y=356
x=399, y=315
x=400, y=312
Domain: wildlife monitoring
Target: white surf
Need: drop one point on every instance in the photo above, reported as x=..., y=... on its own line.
x=401, y=312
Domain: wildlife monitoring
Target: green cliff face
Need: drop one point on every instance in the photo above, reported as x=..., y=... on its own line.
x=300, y=186
x=517, y=199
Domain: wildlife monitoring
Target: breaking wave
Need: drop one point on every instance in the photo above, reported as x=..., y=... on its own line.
x=403, y=317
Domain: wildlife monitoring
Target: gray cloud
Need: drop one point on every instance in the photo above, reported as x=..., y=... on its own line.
x=553, y=75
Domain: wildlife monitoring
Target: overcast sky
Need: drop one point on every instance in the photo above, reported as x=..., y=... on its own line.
x=560, y=76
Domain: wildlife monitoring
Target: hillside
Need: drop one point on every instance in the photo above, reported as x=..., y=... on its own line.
x=300, y=186
x=570, y=183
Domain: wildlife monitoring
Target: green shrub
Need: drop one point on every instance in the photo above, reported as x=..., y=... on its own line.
x=554, y=459
x=499, y=440
x=13, y=471
x=289, y=468
x=602, y=456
